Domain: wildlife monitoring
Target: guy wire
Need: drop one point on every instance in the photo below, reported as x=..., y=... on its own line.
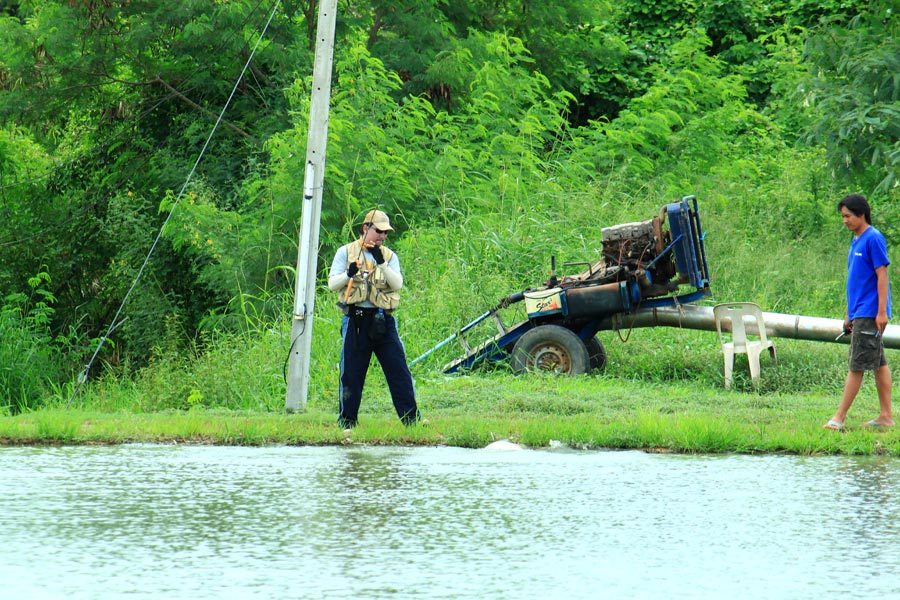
x=87, y=368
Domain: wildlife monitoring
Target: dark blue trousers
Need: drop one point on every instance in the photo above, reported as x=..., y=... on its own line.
x=359, y=344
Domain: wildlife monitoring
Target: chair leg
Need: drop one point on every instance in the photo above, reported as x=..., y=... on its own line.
x=729, y=365
x=753, y=359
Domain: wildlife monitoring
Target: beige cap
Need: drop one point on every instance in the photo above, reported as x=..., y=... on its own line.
x=379, y=220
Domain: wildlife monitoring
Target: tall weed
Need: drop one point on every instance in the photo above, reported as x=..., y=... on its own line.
x=29, y=361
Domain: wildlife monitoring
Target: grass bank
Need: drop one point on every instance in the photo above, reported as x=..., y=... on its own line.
x=536, y=411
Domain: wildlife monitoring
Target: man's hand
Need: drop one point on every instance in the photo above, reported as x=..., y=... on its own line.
x=881, y=321
x=352, y=270
x=377, y=254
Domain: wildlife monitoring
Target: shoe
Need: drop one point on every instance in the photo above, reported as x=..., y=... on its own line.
x=873, y=424
x=833, y=425
x=411, y=419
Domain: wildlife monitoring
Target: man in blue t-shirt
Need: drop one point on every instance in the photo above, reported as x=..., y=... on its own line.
x=868, y=311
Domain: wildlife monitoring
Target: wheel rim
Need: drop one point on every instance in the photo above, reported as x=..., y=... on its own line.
x=552, y=349
x=550, y=357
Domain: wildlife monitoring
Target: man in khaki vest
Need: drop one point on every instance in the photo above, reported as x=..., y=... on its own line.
x=366, y=274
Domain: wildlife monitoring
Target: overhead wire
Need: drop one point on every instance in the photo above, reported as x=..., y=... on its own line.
x=182, y=89
x=103, y=146
x=133, y=167
x=86, y=371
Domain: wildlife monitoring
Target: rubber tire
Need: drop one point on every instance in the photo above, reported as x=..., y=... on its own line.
x=555, y=348
x=596, y=354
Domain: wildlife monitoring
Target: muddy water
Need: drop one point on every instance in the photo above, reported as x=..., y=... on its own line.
x=142, y=522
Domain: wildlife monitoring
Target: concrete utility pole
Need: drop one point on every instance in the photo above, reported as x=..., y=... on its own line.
x=314, y=178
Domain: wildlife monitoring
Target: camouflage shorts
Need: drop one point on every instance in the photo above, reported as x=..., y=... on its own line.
x=866, y=347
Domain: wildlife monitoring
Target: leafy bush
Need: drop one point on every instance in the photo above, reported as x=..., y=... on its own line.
x=28, y=359
x=854, y=91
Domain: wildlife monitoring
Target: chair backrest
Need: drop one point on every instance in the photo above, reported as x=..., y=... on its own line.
x=735, y=313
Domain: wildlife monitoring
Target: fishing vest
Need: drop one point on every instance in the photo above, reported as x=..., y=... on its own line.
x=369, y=282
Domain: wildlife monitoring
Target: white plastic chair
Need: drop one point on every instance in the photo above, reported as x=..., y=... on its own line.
x=735, y=313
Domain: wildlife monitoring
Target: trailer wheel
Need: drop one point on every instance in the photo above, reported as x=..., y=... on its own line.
x=550, y=348
x=596, y=354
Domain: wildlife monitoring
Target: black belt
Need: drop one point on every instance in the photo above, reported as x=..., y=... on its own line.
x=364, y=311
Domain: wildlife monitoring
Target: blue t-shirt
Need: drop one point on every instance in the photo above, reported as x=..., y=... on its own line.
x=867, y=253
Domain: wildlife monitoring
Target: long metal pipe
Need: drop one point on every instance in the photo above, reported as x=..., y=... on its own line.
x=691, y=316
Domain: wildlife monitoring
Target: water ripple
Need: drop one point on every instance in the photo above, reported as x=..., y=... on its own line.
x=209, y=522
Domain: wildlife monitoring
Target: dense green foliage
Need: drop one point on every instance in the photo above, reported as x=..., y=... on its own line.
x=495, y=134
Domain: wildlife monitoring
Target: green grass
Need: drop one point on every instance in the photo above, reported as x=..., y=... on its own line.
x=662, y=391
x=472, y=411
